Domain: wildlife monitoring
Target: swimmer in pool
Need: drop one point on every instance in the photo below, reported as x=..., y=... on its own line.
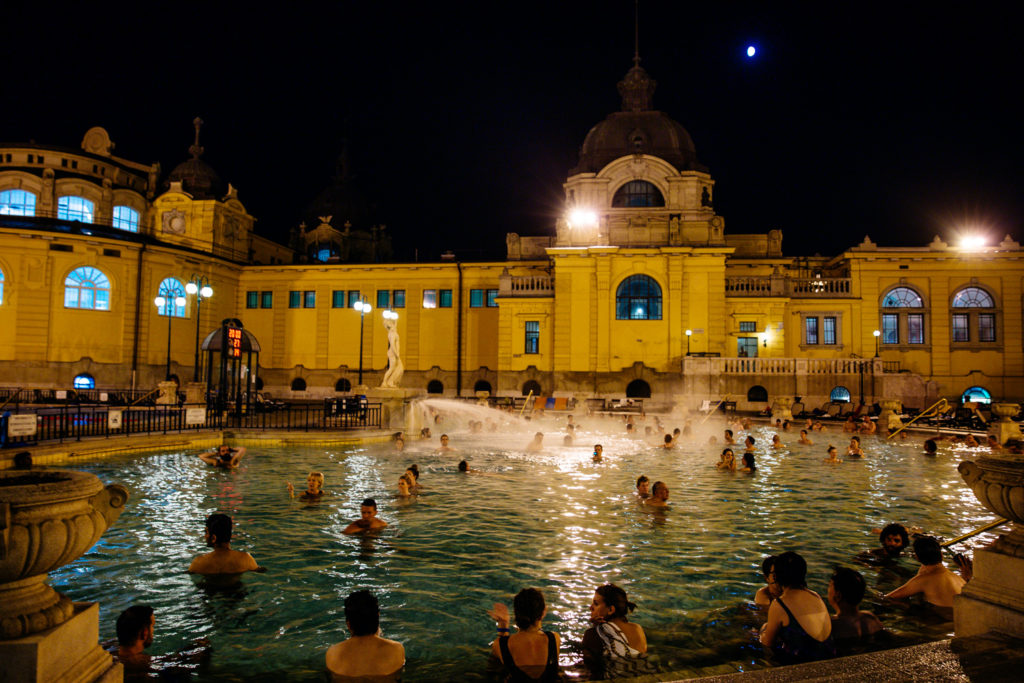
x=222, y=560
x=643, y=487
x=314, y=487
x=777, y=442
x=367, y=521
x=598, y=453
x=404, y=487
x=804, y=439
x=444, y=445
x=399, y=445
x=224, y=456
x=669, y=443
x=728, y=461
x=833, y=455
x=854, y=450
x=537, y=444
x=659, y=495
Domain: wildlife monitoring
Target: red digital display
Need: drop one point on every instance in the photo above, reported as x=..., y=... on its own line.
x=234, y=349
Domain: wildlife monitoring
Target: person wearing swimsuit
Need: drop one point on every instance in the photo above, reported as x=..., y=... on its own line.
x=529, y=655
x=799, y=627
x=614, y=647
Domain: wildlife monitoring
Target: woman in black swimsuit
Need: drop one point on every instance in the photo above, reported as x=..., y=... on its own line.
x=530, y=655
x=799, y=627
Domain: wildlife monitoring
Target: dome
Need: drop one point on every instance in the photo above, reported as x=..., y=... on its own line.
x=637, y=129
x=195, y=175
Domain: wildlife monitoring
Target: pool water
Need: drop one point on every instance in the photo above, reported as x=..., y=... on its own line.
x=553, y=520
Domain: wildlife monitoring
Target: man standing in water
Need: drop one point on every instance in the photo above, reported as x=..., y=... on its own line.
x=367, y=520
x=938, y=584
x=222, y=560
x=224, y=456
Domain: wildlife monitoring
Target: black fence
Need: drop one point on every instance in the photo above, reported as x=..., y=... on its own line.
x=12, y=398
x=75, y=422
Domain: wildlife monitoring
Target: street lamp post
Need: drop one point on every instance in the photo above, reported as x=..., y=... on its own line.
x=363, y=309
x=877, y=335
x=199, y=287
x=689, y=333
x=160, y=302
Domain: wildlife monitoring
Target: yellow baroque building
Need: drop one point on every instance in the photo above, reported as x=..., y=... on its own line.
x=638, y=291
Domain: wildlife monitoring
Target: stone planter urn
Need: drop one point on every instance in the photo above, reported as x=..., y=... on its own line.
x=782, y=408
x=993, y=599
x=47, y=519
x=1003, y=428
x=889, y=417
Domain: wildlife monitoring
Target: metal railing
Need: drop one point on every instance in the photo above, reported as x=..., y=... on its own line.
x=15, y=397
x=75, y=422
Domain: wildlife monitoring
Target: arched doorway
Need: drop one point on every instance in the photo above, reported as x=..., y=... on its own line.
x=757, y=394
x=434, y=386
x=482, y=385
x=531, y=385
x=638, y=389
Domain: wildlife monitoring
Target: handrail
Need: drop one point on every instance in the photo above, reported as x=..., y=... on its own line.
x=527, y=402
x=144, y=397
x=711, y=411
x=939, y=406
x=972, y=534
x=12, y=397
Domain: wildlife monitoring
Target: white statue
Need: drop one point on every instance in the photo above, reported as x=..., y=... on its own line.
x=393, y=376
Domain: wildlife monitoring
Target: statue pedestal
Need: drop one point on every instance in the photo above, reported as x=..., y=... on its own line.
x=889, y=417
x=782, y=408
x=195, y=393
x=394, y=406
x=994, y=599
x=69, y=653
x=1004, y=428
x=168, y=395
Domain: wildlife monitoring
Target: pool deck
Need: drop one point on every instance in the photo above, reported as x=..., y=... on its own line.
x=988, y=657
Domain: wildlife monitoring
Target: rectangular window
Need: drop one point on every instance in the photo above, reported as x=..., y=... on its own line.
x=338, y=298
x=353, y=297
x=961, y=328
x=915, y=328
x=429, y=298
x=266, y=299
x=492, y=296
x=811, y=330
x=294, y=299
x=986, y=327
x=309, y=300
x=828, y=330
x=251, y=299
x=383, y=299
x=890, y=328
x=476, y=298
x=398, y=298
x=532, y=342
x=748, y=326
x=445, y=300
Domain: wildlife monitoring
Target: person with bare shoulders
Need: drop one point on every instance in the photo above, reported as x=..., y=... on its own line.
x=833, y=455
x=729, y=439
x=767, y=593
x=727, y=461
x=804, y=438
x=598, y=453
x=614, y=647
x=365, y=656
x=367, y=519
x=135, y=627
x=444, y=445
x=777, y=442
x=314, y=488
x=938, y=584
x=399, y=444
x=993, y=444
x=659, y=495
x=223, y=456
x=854, y=450
x=222, y=560
x=799, y=628
x=530, y=654
x=845, y=592
x=749, y=466
x=868, y=426
x=537, y=444
x=748, y=444
x=850, y=425
x=643, y=487
x=405, y=489
x=669, y=442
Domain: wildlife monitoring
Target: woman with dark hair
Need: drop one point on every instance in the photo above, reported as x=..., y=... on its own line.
x=766, y=595
x=748, y=463
x=530, y=654
x=614, y=647
x=799, y=627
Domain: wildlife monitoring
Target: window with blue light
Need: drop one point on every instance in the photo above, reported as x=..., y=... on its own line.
x=309, y=299
x=492, y=298
x=266, y=299
x=840, y=395
x=638, y=297
x=72, y=208
x=966, y=320
x=973, y=297
x=444, y=299
x=294, y=299
x=170, y=289
x=383, y=299
x=748, y=326
x=87, y=288
x=17, y=203
x=338, y=298
x=532, y=339
x=252, y=299
x=476, y=298
x=398, y=298
x=353, y=297
x=899, y=325
x=84, y=381
x=323, y=255
x=126, y=218
x=637, y=193
x=1, y=287
x=811, y=330
x=976, y=395
x=429, y=298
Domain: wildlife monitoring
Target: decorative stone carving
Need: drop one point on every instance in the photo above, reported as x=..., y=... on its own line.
x=97, y=141
x=1005, y=428
x=393, y=376
x=47, y=519
x=782, y=408
x=889, y=417
x=173, y=222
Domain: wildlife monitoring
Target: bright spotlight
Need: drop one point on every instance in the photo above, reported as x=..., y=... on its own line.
x=582, y=218
x=751, y=51
x=972, y=242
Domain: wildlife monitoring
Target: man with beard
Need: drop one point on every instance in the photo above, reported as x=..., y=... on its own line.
x=893, y=539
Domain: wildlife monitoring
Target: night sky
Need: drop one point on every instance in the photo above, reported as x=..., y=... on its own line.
x=894, y=120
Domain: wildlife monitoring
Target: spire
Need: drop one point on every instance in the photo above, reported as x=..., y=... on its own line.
x=637, y=88
x=196, y=150
x=636, y=33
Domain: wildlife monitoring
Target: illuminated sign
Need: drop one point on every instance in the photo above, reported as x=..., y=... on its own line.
x=234, y=349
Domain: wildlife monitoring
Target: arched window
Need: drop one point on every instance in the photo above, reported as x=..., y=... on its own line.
x=126, y=218
x=343, y=385
x=638, y=389
x=531, y=385
x=977, y=324
x=839, y=395
x=482, y=385
x=84, y=381
x=638, y=298
x=902, y=317
x=87, y=287
x=72, y=208
x=976, y=395
x=757, y=394
x=637, y=193
x=298, y=384
x=434, y=386
x=171, y=289
x=17, y=203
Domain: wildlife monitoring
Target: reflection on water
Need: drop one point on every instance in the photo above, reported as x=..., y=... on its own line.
x=554, y=520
